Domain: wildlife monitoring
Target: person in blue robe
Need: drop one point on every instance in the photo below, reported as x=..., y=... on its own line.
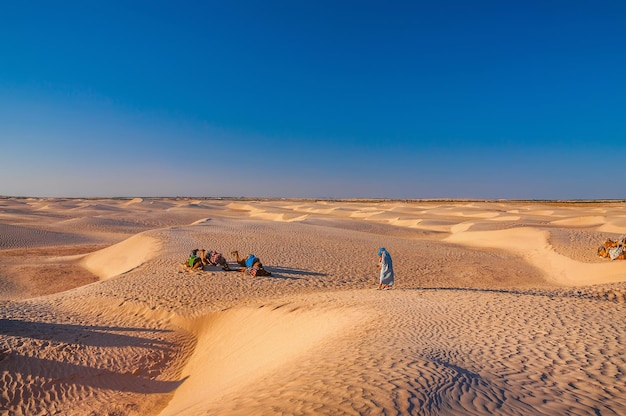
x=385, y=265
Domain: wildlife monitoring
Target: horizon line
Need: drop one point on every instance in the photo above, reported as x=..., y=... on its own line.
x=356, y=199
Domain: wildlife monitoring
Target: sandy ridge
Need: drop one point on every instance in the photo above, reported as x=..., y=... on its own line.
x=497, y=310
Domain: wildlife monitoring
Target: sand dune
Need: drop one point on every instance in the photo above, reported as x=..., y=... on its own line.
x=586, y=221
x=533, y=245
x=236, y=348
x=499, y=308
x=134, y=201
x=616, y=225
x=506, y=218
x=122, y=257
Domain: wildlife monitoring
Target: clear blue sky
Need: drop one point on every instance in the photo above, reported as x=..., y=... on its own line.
x=337, y=99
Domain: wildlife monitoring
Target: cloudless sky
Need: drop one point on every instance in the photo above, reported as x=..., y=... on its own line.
x=317, y=99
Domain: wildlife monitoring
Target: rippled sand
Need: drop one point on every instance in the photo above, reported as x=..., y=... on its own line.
x=498, y=308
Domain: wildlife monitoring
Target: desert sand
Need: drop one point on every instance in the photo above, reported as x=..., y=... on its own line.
x=498, y=308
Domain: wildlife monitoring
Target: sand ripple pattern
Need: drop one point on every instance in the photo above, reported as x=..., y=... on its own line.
x=456, y=352
x=16, y=236
x=74, y=367
x=468, y=329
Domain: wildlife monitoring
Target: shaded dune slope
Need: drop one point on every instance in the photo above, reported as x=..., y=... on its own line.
x=487, y=317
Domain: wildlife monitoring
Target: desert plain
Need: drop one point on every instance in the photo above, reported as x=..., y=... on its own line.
x=499, y=307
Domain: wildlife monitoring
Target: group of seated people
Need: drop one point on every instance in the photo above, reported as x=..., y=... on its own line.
x=251, y=265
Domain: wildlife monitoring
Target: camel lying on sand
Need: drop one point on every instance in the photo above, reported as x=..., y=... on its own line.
x=213, y=258
x=194, y=261
x=239, y=260
x=251, y=265
x=615, y=250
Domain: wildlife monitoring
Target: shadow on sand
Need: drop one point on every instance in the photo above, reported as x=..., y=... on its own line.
x=66, y=343
x=283, y=272
x=100, y=336
x=544, y=292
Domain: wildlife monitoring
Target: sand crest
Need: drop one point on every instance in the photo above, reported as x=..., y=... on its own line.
x=498, y=308
x=122, y=257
